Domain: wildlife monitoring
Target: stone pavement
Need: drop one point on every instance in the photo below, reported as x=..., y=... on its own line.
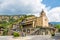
x=40, y=37
x=57, y=36
x=34, y=37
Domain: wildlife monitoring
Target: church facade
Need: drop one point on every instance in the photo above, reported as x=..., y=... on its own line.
x=42, y=20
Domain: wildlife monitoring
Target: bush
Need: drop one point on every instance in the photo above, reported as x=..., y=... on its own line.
x=16, y=34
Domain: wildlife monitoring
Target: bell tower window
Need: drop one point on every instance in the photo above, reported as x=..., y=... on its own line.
x=45, y=19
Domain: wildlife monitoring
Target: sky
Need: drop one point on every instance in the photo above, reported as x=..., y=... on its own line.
x=52, y=3
x=18, y=7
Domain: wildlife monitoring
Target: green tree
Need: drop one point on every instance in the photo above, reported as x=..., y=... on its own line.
x=16, y=34
x=58, y=27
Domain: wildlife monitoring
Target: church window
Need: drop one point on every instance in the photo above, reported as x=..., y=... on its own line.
x=45, y=19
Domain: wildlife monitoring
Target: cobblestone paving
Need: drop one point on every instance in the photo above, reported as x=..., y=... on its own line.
x=57, y=36
x=35, y=37
x=5, y=37
x=42, y=38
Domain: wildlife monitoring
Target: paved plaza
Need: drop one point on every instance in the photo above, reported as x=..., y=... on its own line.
x=32, y=37
x=35, y=37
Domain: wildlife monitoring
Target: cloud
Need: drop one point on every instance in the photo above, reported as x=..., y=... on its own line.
x=21, y=6
x=54, y=14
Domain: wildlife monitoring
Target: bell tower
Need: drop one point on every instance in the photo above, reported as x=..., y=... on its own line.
x=43, y=19
x=42, y=13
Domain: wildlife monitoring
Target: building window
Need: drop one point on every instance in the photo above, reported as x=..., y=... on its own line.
x=45, y=19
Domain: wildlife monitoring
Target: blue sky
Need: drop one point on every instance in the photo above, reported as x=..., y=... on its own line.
x=52, y=3
x=18, y=7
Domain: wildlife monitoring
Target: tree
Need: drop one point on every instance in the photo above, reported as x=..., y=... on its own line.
x=16, y=34
x=58, y=27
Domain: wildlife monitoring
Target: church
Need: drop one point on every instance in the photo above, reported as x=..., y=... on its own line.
x=40, y=25
x=33, y=21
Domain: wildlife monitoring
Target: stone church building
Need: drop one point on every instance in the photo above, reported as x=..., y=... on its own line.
x=34, y=21
x=42, y=20
x=40, y=23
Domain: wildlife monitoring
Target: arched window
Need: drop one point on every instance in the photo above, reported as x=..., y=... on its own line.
x=45, y=19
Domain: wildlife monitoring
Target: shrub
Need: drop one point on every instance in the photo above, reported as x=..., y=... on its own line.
x=16, y=34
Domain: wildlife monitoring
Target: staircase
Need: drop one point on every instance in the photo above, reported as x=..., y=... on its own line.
x=35, y=32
